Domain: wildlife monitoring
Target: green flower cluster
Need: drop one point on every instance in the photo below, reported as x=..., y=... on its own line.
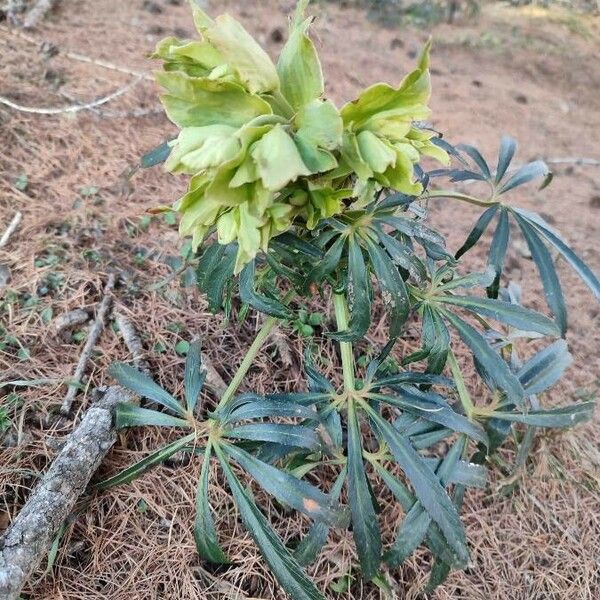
x=265, y=149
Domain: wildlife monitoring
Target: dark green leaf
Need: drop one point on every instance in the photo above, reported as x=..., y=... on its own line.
x=133, y=472
x=525, y=174
x=498, y=250
x=272, y=408
x=477, y=231
x=477, y=158
x=129, y=415
x=403, y=256
x=294, y=242
x=564, y=416
x=358, y=294
x=545, y=265
x=588, y=276
x=299, y=494
x=156, y=155
x=427, y=487
x=393, y=289
x=194, y=375
x=141, y=384
x=435, y=538
x=435, y=339
x=545, y=368
x=308, y=549
x=258, y=301
x=329, y=262
x=414, y=528
x=496, y=369
x=505, y=312
x=365, y=528
x=508, y=147
x=207, y=543
x=286, y=569
x=281, y=433
x=413, y=402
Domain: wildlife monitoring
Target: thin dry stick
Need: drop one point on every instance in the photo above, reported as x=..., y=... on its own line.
x=93, y=336
x=132, y=341
x=38, y=12
x=30, y=536
x=12, y=227
x=80, y=57
x=73, y=108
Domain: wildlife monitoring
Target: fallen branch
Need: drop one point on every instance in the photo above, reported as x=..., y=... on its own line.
x=30, y=536
x=38, y=12
x=12, y=227
x=92, y=338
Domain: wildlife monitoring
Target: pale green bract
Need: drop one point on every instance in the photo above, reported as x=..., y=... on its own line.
x=265, y=149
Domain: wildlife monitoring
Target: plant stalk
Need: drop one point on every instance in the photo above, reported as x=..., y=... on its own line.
x=461, y=388
x=341, y=317
x=458, y=196
x=259, y=340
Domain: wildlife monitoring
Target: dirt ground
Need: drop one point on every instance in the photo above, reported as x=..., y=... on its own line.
x=528, y=72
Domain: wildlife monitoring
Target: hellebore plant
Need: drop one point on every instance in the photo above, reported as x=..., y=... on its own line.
x=289, y=198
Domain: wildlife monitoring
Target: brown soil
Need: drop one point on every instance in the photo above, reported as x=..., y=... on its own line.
x=527, y=72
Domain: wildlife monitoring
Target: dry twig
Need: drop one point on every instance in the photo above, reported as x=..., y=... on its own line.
x=132, y=341
x=74, y=107
x=92, y=338
x=12, y=227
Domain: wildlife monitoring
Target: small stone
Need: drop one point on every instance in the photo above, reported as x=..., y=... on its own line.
x=152, y=7
x=594, y=203
x=396, y=43
x=476, y=83
x=277, y=35
x=5, y=276
x=156, y=30
x=521, y=99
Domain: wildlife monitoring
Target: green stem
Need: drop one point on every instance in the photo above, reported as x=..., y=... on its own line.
x=461, y=388
x=458, y=196
x=246, y=363
x=341, y=317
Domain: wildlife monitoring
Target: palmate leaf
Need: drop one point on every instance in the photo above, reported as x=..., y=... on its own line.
x=426, y=485
x=414, y=528
x=141, y=384
x=365, y=528
x=283, y=407
x=294, y=492
x=286, y=569
x=505, y=312
x=130, y=473
x=205, y=534
x=508, y=147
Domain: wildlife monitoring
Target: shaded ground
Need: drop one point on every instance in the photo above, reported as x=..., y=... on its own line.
x=529, y=73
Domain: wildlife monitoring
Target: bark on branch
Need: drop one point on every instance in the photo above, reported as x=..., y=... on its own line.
x=30, y=536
